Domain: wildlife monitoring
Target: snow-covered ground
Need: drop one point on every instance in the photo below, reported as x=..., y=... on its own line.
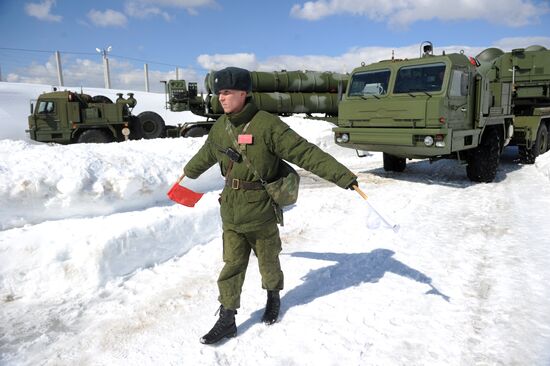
x=98, y=267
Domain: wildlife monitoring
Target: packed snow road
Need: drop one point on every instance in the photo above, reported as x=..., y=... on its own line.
x=465, y=280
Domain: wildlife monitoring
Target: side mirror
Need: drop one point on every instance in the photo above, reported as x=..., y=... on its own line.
x=32, y=108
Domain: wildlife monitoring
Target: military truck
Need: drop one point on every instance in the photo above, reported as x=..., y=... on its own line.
x=449, y=106
x=67, y=117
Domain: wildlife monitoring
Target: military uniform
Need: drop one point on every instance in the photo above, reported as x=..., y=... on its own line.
x=249, y=220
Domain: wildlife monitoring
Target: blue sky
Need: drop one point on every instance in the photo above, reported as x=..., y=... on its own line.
x=200, y=35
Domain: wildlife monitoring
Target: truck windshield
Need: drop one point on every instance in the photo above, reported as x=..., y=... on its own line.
x=420, y=78
x=369, y=83
x=46, y=107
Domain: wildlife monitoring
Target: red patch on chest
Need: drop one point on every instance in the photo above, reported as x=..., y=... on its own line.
x=245, y=139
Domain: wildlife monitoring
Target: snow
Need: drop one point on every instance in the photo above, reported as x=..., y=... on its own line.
x=98, y=267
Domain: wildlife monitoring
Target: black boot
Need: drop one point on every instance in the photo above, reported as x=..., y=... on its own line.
x=272, y=307
x=224, y=327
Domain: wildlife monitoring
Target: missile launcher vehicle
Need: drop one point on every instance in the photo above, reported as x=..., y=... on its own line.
x=450, y=106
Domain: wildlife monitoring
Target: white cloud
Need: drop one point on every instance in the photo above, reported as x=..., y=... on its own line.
x=42, y=11
x=146, y=8
x=140, y=10
x=107, y=18
x=351, y=59
x=216, y=62
x=522, y=42
x=405, y=12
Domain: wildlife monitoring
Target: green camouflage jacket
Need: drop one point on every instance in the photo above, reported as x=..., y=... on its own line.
x=247, y=210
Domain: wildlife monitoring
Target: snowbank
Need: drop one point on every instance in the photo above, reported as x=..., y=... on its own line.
x=543, y=164
x=98, y=267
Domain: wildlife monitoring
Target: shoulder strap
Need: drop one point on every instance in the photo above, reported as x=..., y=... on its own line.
x=245, y=158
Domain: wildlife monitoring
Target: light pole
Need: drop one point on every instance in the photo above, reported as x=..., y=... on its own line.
x=106, y=74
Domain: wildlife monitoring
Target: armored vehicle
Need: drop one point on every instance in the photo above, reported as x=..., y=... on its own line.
x=450, y=106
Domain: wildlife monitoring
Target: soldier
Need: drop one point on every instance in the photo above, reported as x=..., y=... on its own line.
x=248, y=216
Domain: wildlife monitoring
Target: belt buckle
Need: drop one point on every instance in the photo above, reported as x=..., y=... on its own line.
x=235, y=183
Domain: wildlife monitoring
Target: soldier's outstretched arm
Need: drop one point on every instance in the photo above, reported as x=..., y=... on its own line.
x=201, y=161
x=290, y=146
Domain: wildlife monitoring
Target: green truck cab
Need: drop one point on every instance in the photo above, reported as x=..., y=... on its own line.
x=448, y=106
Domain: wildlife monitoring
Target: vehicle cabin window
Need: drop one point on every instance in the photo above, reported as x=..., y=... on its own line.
x=459, y=84
x=420, y=78
x=369, y=83
x=46, y=107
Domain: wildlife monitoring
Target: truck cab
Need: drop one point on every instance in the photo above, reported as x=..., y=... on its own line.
x=434, y=106
x=50, y=119
x=408, y=108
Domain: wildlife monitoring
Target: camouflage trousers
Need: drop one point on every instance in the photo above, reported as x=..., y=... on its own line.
x=237, y=246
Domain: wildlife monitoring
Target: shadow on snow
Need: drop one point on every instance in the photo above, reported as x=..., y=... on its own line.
x=348, y=271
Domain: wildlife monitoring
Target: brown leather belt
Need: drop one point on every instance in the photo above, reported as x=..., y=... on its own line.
x=242, y=184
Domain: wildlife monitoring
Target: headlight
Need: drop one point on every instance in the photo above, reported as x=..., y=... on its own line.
x=343, y=138
x=428, y=141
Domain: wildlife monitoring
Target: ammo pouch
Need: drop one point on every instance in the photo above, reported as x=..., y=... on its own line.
x=284, y=190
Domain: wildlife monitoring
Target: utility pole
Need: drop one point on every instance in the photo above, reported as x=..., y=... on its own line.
x=106, y=75
x=146, y=70
x=59, y=71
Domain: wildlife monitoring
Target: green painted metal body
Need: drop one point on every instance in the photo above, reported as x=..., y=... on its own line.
x=291, y=81
x=61, y=116
x=394, y=117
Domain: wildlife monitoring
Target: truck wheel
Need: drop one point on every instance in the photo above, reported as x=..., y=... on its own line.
x=136, y=132
x=101, y=99
x=152, y=125
x=393, y=163
x=95, y=136
x=195, y=132
x=528, y=156
x=483, y=160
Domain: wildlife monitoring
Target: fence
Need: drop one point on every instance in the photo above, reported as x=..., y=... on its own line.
x=50, y=69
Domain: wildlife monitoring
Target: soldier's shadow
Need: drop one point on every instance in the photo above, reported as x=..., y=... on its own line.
x=349, y=270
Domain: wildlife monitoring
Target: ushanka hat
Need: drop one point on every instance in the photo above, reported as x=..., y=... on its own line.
x=233, y=78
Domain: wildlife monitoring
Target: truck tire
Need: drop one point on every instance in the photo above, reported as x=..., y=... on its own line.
x=136, y=132
x=483, y=160
x=101, y=99
x=152, y=125
x=95, y=136
x=393, y=163
x=195, y=132
x=528, y=156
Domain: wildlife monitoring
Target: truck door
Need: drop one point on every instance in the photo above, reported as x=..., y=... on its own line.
x=47, y=117
x=461, y=111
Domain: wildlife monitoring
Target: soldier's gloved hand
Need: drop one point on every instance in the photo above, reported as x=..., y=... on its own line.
x=354, y=183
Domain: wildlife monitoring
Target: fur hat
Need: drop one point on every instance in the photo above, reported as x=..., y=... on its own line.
x=233, y=78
